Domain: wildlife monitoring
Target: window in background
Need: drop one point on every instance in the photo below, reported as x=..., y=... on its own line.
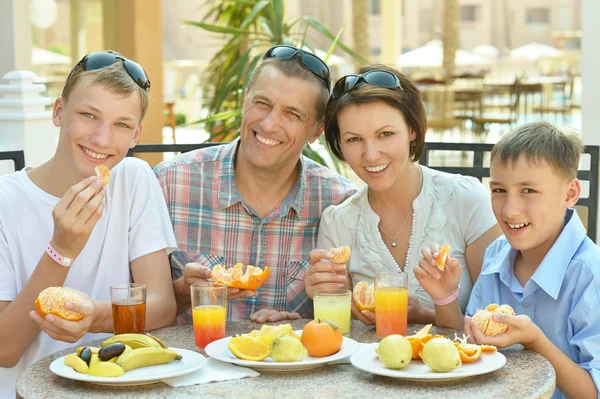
x=469, y=13
x=537, y=16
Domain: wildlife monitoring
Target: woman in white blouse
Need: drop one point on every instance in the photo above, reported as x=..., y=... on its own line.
x=376, y=122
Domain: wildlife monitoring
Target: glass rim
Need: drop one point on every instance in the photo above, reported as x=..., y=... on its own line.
x=207, y=284
x=331, y=292
x=398, y=273
x=128, y=286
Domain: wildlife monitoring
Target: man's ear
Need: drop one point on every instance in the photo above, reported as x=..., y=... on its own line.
x=318, y=131
x=59, y=106
x=136, y=136
x=573, y=192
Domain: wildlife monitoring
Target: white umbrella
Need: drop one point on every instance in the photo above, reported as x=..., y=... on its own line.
x=39, y=56
x=432, y=55
x=534, y=51
x=486, y=51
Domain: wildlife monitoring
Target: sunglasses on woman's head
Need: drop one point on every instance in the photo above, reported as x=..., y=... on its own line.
x=101, y=59
x=308, y=60
x=376, y=77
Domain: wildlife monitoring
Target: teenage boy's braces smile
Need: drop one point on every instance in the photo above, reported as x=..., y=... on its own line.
x=517, y=226
x=266, y=141
x=379, y=168
x=94, y=154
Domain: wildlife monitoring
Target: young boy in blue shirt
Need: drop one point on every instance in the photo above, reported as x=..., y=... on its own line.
x=545, y=267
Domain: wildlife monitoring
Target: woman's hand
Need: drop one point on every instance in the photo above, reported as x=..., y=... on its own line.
x=322, y=271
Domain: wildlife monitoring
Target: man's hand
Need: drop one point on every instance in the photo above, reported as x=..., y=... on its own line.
x=323, y=272
x=521, y=330
x=270, y=315
x=196, y=273
x=65, y=330
x=437, y=283
x=76, y=214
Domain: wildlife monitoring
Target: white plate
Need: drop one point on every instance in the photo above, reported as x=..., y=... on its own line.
x=219, y=350
x=190, y=361
x=367, y=360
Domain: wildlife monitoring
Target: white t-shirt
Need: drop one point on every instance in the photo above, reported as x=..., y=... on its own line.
x=135, y=222
x=450, y=209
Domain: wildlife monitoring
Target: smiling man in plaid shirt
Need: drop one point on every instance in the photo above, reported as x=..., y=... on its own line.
x=257, y=200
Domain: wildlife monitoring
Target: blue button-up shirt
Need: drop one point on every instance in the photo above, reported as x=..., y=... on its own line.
x=562, y=297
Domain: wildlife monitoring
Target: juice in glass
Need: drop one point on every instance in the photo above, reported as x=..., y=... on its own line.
x=334, y=305
x=391, y=303
x=209, y=324
x=129, y=308
x=209, y=312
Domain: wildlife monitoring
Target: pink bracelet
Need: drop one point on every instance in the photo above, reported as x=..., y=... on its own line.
x=448, y=299
x=57, y=257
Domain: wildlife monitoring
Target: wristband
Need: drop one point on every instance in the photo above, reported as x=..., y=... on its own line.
x=448, y=299
x=57, y=257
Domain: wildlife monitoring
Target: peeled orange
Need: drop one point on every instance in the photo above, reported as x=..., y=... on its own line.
x=341, y=254
x=486, y=324
x=364, y=296
x=52, y=300
x=252, y=278
x=443, y=255
x=103, y=172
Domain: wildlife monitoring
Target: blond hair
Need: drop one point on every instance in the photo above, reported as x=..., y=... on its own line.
x=114, y=77
x=542, y=142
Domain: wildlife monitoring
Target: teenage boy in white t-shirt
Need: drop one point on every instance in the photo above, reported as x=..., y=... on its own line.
x=112, y=235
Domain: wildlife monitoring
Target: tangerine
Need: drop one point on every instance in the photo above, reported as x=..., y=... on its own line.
x=321, y=338
x=52, y=300
x=364, y=297
x=486, y=324
x=103, y=172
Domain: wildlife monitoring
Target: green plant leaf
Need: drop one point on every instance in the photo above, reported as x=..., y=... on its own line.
x=251, y=18
x=317, y=25
x=218, y=29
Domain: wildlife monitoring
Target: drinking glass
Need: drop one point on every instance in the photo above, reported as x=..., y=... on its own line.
x=209, y=312
x=129, y=308
x=391, y=303
x=334, y=304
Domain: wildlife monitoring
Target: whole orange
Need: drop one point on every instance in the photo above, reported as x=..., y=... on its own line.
x=321, y=338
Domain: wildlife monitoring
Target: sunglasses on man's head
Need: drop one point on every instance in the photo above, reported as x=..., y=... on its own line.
x=376, y=77
x=101, y=59
x=308, y=60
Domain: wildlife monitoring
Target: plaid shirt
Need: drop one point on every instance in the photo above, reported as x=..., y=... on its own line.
x=213, y=225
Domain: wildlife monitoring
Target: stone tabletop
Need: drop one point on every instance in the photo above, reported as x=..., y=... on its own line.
x=525, y=375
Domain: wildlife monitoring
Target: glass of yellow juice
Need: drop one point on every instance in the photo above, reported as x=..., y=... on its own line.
x=391, y=303
x=334, y=304
x=209, y=312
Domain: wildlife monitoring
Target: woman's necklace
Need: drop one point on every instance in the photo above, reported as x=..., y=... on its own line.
x=397, y=234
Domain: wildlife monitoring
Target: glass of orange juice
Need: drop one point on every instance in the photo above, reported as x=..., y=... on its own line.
x=129, y=308
x=209, y=312
x=391, y=303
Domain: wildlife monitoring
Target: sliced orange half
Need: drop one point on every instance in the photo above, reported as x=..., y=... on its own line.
x=248, y=348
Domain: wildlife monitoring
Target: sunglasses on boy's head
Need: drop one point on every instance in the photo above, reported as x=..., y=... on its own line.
x=374, y=78
x=308, y=60
x=102, y=59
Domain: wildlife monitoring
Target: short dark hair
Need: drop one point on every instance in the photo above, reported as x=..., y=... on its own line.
x=542, y=142
x=292, y=68
x=406, y=99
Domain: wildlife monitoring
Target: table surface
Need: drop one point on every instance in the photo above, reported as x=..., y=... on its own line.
x=525, y=375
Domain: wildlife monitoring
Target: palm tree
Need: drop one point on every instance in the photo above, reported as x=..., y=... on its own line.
x=360, y=29
x=450, y=37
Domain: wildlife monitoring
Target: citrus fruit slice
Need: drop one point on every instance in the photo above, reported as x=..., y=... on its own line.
x=248, y=278
x=364, y=297
x=248, y=348
x=443, y=255
x=341, y=254
x=103, y=172
x=52, y=300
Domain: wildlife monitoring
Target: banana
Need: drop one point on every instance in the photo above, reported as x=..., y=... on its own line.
x=135, y=341
x=74, y=361
x=94, y=359
x=105, y=369
x=144, y=357
x=160, y=341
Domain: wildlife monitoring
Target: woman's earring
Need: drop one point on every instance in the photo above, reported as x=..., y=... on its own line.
x=413, y=143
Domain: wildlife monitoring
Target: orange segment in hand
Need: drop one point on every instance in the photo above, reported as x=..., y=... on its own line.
x=443, y=255
x=341, y=254
x=103, y=172
x=52, y=300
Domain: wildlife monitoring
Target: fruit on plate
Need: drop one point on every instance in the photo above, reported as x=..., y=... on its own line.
x=106, y=369
x=341, y=255
x=268, y=333
x=322, y=338
x=486, y=324
x=144, y=357
x=113, y=351
x=441, y=355
x=248, y=348
x=135, y=341
x=443, y=256
x=286, y=348
x=250, y=278
x=364, y=296
x=395, y=351
x=469, y=352
x=52, y=300
x=78, y=364
x=103, y=172
x=418, y=339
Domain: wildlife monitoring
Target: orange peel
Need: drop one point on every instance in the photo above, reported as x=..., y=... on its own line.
x=250, y=278
x=103, y=172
